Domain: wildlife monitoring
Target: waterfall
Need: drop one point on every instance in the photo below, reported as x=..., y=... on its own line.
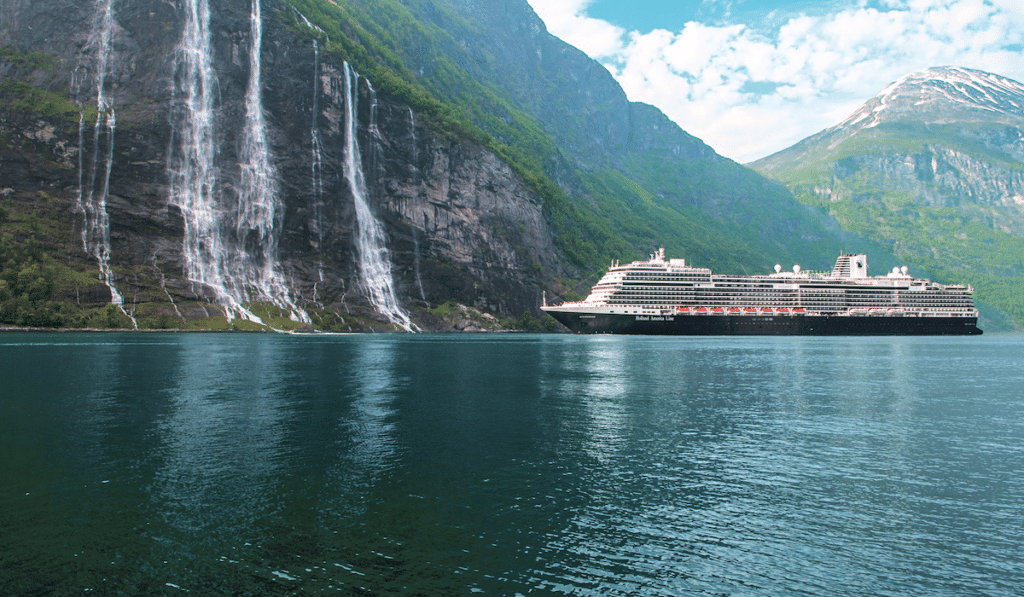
x=316, y=163
x=230, y=247
x=192, y=176
x=94, y=187
x=415, y=232
x=416, y=262
x=374, y=263
x=260, y=215
x=412, y=132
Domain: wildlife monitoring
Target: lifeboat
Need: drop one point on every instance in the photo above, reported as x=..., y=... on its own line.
x=800, y=310
x=717, y=310
x=734, y=309
x=782, y=310
x=700, y=311
x=750, y=311
x=682, y=309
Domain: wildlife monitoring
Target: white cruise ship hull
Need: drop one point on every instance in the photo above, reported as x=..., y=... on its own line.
x=765, y=325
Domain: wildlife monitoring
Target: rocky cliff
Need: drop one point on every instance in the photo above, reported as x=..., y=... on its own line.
x=374, y=164
x=101, y=150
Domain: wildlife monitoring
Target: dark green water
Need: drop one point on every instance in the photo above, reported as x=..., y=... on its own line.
x=208, y=464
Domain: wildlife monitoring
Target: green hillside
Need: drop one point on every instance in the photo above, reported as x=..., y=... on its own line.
x=881, y=184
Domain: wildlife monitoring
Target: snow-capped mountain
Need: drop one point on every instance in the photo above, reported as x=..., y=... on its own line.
x=932, y=166
x=942, y=94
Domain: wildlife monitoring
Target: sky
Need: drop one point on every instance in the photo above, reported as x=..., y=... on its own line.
x=751, y=77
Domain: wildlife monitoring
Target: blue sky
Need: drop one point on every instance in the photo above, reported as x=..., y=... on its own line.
x=753, y=77
x=648, y=15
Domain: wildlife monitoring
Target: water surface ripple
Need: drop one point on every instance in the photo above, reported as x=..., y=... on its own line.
x=158, y=464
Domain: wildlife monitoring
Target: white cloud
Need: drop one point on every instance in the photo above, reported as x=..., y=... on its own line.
x=597, y=38
x=747, y=94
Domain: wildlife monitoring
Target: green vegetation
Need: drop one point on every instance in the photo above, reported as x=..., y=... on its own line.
x=32, y=285
x=27, y=61
x=952, y=245
x=21, y=96
x=19, y=93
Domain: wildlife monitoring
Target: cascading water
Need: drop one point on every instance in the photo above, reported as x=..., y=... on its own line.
x=193, y=181
x=374, y=264
x=259, y=212
x=415, y=233
x=94, y=186
x=230, y=248
x=316, y=164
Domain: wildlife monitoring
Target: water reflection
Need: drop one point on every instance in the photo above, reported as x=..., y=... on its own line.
x=223, y=435
x=365, y=428
x=444, y=465
x=602, y=390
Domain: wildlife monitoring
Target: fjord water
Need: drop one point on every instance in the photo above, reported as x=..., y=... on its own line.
x=159, y=464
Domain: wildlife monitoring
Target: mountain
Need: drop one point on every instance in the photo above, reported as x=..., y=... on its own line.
x=373, y=164
x=932, y=167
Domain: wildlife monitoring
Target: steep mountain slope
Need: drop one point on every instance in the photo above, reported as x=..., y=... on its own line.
x=933, y=167
x=650, y=182
x=342, y=166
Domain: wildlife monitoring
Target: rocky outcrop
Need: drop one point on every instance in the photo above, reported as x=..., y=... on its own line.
x=940, y=177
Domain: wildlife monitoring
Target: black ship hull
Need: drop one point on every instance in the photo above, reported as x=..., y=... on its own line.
x=758, y=325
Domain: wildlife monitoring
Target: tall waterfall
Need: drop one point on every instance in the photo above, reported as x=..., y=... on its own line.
x=94, y=178
x=231, y=242
x=260, y=214
x=374, y=263
x=316, y=163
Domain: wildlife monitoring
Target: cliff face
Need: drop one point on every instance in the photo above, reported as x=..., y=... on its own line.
x=114, y=148
x=941, y=177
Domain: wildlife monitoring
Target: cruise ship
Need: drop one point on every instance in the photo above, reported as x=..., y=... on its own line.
x=667, y=296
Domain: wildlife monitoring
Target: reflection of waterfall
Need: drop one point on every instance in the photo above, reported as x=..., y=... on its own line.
x=374, y=263
x=222, y=433
x=231, y=249
x=94, y=186
x=370, y=423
